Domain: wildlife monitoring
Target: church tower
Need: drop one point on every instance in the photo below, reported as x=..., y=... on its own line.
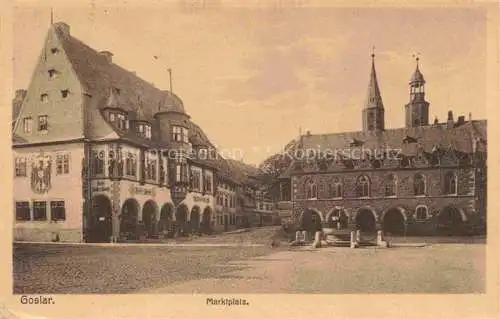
x=417, y=110
x=373, y=112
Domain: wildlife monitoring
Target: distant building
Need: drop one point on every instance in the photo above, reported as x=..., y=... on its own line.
x=424, y=178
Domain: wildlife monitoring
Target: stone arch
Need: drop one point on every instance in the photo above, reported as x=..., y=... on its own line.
x=206, y=220
x=366, y=219
x=150, y=218
x=99, y=228
x=341, y=217
x=311, y=220
x=317, y=211
x=194, y=219
x=181, y=217
x=394, y=220
x=166, y=218
x=129, y=217
x=451, y=220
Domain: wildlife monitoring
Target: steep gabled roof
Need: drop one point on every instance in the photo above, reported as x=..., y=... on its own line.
x=110, y=85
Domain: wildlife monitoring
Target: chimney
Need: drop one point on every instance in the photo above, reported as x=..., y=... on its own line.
x=308, y=133
x=436, y=120
x=450, y=123
x=63, y=29
x=461, y=120
x=108, y=55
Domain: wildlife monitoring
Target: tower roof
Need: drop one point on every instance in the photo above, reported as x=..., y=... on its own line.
x=373, y=97
x=171, y=103
x=417, y=79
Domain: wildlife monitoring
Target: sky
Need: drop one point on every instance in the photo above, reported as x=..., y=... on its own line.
x=255, y=77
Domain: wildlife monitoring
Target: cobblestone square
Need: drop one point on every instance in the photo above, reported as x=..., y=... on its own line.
x=445, y=265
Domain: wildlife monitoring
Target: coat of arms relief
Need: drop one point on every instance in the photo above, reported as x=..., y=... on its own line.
x=41, y=169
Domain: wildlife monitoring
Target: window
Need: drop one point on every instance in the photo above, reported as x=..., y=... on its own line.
x=43, y=123
x=185, y=137
x=57, y=210
x=390, y=186
x=27, y=125
x=181, y=173
x=419, y=185
x=176, y=133
x=208, y=183
x=450, y=183
x=363, y=186
x=180, y=134
x=421, y=213
x=203, y=154
x=151, y=166
x=285, y=191
x=311, y=190
x=62, y=164
x=64, y=93
x=23, y=211
x=144, y=130
x=39, y=211
x=131, y=165
x=225, y=201
x=196, y=180
x=335, y=190
x=97, y=163
x=231, y=201
x=119, y=120
x=54, y=50
x=20, y=166
x=44, y=98
x=52, y=73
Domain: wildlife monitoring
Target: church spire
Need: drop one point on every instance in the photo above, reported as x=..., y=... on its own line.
x=373, y=97
x=373, y=111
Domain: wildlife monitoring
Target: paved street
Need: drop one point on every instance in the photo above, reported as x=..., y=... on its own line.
x=439, y=267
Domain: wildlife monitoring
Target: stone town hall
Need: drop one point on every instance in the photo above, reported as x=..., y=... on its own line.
x=423, y=178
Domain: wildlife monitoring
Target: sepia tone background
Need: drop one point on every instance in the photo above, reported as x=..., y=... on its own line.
x=254, y=73
x=253, y=77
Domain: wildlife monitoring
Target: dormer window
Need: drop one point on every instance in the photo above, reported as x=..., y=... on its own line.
x=64, y=93
x=409, y=140
x=54, y=50
x=44, y=98
x=52, y=73
x=144, y=130
x=355, y=142
x=203, y=153
x=43, y=123
x=180, y=134
x=119, y=120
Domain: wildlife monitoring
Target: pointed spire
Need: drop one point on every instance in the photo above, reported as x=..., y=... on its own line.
x=373, y=97
x=51, y=16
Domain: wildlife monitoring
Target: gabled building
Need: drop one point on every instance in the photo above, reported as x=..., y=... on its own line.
x=419, y=179
x=101, y=154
